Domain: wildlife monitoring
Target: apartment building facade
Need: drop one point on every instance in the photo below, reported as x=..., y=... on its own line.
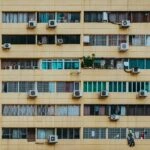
x=74, y=74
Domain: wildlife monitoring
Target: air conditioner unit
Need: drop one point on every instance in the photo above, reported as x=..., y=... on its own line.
x=52, y=139
x=86, y=39
x=39, y=42
x=59, y=41
x=135, y=70
x=114, y=117
x=6, y=46
x=125, y=23
x=32, y=93
x=124, y=47
x=142, y=93
x=126, y=64
x=105, y=17
x=104, y=93
x=52, y=23
x=31, y=24
x=77, y=94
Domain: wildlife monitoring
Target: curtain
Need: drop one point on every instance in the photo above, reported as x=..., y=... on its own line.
x=73, y=110
x=15, y=134
x=138, y=40
x=148, y=40
x=41, y=133
x=52, y=87
x=61, y=110
x=86, y=110
x=147, y=63
x=51, y=110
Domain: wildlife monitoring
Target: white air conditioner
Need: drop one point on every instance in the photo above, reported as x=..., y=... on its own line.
x=32, y=93
x=77, y=94
x=124, y=47
x=105, y=17
x=126, y=64
x=125, y=23
x=52, y=23
x=86, y=39
x=6, y=46
x=59, y=41
x=104, y=93
x=142, y=93
x=135, y=70
x=114, y=117
x=31, y=24
x=52, y=139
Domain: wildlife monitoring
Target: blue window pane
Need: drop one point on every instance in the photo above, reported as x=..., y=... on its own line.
x=59, y=65
x=138, y=86
x=89, y=86
x=103, y=85
x=94, y=86
x=85, y=87
x=130, y=87
x=124, y=86
x=75, y=65
x=52, y=87
x=115, y=86
x=68, y=65
x=134, y=86
x=148, y=64
x=110, y=86
x=44, y=65
x=141, y=63
x=133, y=63
x=119, y=86
x=99, y=87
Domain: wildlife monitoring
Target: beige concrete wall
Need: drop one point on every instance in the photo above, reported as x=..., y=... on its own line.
x=70, y=51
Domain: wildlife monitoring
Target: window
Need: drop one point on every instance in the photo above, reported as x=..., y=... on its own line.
x=94, y=133
x=117, y=17
x=107, y=40
x=137, y=40
x=117, y=110
x=67, y=110
x=17, y=17
x=68, y=133
x=25, y=86
x=66, y=86
x=14, y=133
x=45, y=39
x=117, y=86
x=43, y=87
x=44, y=17
x=98, y=40
x=97, y=86
x=116, y=133
x=94, y=110
x=19, y=64
x=69, y=39
x=113, y=40
x=43, y=133
x=90, y=86
x=68, y=17
x=71, y=64
x=18, y=39
x=93, y=16
x=45, y=110
x=31, y=134
x=140, y=16
x=10, y=87
x=41, y=110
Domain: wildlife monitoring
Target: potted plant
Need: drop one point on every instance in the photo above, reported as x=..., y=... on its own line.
x=87, y=61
